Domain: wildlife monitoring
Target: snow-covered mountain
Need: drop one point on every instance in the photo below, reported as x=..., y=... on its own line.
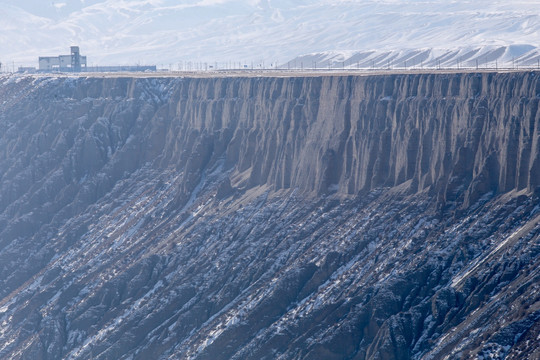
x=170, y=33
x=467, y=57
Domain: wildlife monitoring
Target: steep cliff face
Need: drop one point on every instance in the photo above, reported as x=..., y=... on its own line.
x=474, y=132
x=385, y=217
x=353, y=134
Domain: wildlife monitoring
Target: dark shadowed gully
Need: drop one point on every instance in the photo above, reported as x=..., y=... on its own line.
x=333, y=217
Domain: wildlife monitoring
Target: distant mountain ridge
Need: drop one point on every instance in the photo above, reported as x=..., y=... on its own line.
x=481, y=57
x=271, y=31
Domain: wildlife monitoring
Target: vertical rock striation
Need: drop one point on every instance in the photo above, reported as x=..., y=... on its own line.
x=457, y=135
x=387, y=217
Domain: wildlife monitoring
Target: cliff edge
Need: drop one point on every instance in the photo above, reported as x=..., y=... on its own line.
x=362, y=217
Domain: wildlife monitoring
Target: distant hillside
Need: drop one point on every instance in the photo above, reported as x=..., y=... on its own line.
x=467, y=57
x=169, y=34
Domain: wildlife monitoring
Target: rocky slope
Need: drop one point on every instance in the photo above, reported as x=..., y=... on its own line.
x=336, y=217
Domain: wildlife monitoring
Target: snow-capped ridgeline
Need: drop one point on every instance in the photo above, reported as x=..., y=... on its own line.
x=169, y=33
x=519, y=56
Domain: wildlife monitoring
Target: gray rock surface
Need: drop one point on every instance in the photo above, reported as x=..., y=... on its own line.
x=336, y=217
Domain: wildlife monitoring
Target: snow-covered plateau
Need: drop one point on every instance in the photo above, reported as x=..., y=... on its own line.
x=392, y=216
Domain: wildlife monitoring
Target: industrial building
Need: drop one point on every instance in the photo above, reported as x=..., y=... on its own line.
x=77, y=63
x=65, y=63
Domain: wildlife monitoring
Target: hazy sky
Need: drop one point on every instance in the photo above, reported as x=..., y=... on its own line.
x=167, y=32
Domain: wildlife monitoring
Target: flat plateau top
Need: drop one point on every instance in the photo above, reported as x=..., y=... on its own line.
x=278, y=73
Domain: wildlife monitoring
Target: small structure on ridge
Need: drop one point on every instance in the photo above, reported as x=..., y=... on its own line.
x=65, y=63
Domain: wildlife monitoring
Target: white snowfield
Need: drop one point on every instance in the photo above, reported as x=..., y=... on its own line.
x=488, y=57
x=262, y=33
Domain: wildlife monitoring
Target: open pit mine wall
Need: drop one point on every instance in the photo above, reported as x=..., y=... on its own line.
x=456, y=135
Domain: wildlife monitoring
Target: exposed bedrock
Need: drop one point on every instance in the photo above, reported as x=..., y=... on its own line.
x=457, y=135
x=445, y=133
x=338, y=217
